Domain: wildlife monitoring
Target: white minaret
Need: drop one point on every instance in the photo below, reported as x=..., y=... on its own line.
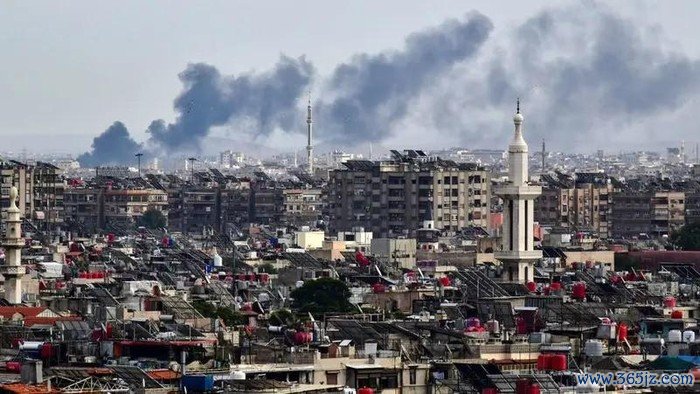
x=13, y=243
x=310, y=138
x=518, y=253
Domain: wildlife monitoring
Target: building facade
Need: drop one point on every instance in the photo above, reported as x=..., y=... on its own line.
x=578, y=203
x=647, y=213
x=302, y=207
x=99, y=206
x=390, y=198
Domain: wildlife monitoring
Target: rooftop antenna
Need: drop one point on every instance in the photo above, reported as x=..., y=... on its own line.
x=138, y=157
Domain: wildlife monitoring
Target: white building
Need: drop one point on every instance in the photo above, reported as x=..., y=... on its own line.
x=518, y=253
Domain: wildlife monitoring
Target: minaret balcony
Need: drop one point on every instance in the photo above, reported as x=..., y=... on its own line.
x=13, y=243
x=518, y=255
x=513, y=192
x=9, y=271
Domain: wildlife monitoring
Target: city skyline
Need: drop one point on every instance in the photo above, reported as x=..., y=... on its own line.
x=649, y=87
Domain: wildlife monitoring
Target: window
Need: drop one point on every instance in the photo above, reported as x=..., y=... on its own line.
x=412, y=375
x=331, y=378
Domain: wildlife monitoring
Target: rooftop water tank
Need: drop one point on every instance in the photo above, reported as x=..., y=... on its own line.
x=675, y=336
x=238, y=375
x=593, y=348
x=688, y=336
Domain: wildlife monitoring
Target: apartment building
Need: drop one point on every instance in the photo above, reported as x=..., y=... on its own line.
x=579, y=203
x=106, y=203
x=302, y=207
x=390, y=198
x=654, y=213
x=692, y=207
x=267, y=202
x=40, y=186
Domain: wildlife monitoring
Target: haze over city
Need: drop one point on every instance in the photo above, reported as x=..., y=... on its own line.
x=165, y=78
x=359, y=197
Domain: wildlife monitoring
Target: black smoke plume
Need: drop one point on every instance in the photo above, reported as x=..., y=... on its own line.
x=371, y=92
x=587, y=78
x=210, y=99
x=113, y=147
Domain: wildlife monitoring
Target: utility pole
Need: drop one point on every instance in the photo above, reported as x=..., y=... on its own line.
x=138, y=157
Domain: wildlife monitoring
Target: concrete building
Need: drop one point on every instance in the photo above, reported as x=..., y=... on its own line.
x=309, y=239
x=103, y=203
x=267, y=203
x=302, y=207
x=40, y=189
x=578, y=203
x=400, y=252
x=357, y=239
x=518, y=253
x=228, y=159
x=390, y=198
x=652, y=213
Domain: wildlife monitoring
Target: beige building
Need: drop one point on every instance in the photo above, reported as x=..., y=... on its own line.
x=96, y=207
x=579, y=203
x=390, y=198
x=41, y=187
x=302, y=207
x=309, y=239
x=339, y=365
x=398, y=251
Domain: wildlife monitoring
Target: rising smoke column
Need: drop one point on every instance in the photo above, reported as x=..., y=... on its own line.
x=586, y=77
x=114, y=147
x=268, y=100
x=210, y=99
x=373, y=91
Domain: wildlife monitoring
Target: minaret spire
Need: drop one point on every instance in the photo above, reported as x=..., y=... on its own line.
x=518, y=253
x=517, y=106
x=310, y=138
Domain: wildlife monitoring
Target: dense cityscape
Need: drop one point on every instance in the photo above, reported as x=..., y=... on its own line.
x=493, y=205
x=424, y=272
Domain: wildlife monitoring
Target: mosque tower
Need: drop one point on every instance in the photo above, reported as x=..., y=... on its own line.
x=518, y=254
x=13, y=243
x=310, y=139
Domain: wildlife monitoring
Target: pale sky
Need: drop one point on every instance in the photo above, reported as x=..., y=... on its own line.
x=70, y=69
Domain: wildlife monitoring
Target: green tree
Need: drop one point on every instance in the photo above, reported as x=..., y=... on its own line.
x=283, y=317
x=204, y=308
x=267, y=268
x=325, y=295
x=153, y=219
x=688, y=237
x=230, y=317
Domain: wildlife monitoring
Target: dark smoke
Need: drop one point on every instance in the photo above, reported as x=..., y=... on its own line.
x=374, y=91
x=586, y=77
x=267, y=100
x=114, y=147
x=210, y=99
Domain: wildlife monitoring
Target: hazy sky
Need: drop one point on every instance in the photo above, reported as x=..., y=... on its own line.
x=71, y=69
